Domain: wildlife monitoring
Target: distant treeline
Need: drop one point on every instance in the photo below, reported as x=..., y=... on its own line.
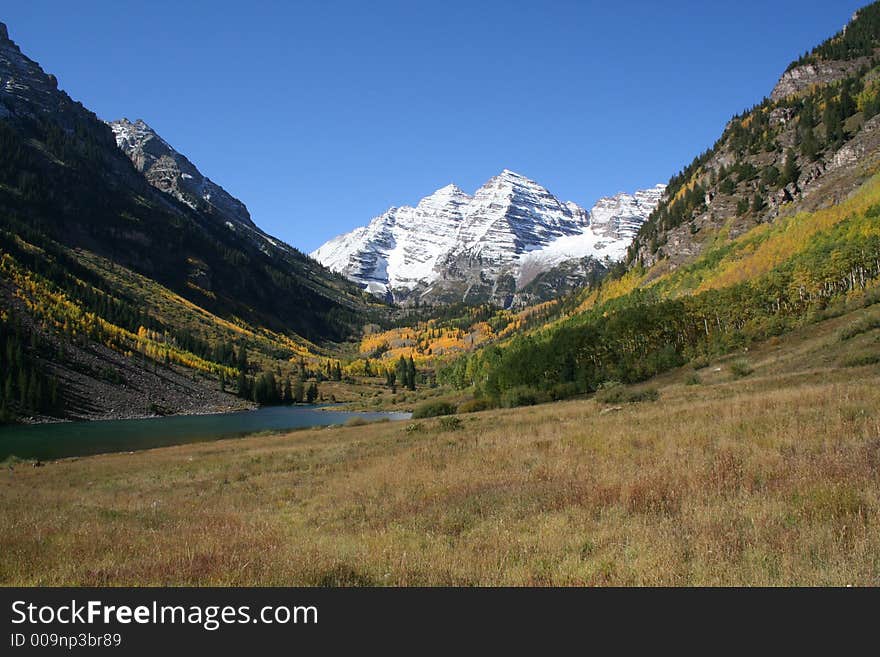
x=859, y=39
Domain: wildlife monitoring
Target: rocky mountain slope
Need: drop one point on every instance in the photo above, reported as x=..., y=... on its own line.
x=194, y=236
x=810, y=143
x=488, y=246
x=155, y=264
x=171, y=172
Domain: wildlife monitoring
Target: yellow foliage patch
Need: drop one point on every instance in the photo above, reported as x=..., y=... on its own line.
x=769, y=245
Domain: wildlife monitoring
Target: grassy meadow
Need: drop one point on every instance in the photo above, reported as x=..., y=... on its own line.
x=762, y=468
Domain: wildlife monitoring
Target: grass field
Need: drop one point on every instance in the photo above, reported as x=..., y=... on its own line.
x=761, y=474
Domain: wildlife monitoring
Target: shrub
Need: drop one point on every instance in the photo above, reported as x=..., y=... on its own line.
x=415, y=427
x=433, y=409
x=610, y=392
x=341, y=574
x=835, y=309
x=523, y=396
x=741, y=368
x=864, y=325
x=155, y=409
x=693, y=379
x=859, y=360
x=475, y=405
x=621, y=395
x=355, y=422
x=646, y=394
x=564, y=391
x=11, y=461
x=871, y=297
x=450, y=423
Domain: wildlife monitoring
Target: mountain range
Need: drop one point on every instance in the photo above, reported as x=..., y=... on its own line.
x=131, y=284
x=485, y=247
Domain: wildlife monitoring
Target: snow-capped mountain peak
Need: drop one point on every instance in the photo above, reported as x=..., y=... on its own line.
x=620, y=216
x=511, y=228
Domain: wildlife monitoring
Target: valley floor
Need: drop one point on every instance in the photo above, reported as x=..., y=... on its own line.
x=770, y=479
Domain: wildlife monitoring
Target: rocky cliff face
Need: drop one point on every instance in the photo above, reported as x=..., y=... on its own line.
x=26, y=89
x=174, y=174
x=453, y=246
x=799, y=79
x=28, y=92
x=811, y=143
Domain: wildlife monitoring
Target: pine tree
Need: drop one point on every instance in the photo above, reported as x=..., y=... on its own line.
x=758, y=203
x=270, y=388
x=298, y=392
x=790, y=170
x=34, y=394
x=312, y=393
x=242, y=363
x=871, y=106
x=770, y=176
x=848, y=105
x=806, y=132
x=23, y=387
x=402, y=372
x=287, y=396
x=411, y=374
x=242, y=389
x=833, y=121
x=265, y=390
x=55, y=405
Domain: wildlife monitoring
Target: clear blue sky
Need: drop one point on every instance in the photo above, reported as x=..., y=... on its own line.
x=319, y=115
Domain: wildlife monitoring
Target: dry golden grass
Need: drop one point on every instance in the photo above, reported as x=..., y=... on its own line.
x=771, y=479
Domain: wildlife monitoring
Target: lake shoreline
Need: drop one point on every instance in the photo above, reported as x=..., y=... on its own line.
x=245, y=407
x=51, y=441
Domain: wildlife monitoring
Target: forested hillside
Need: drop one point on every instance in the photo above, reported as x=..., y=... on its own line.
x=777, y=226
x=810, y=143
x=117, y=298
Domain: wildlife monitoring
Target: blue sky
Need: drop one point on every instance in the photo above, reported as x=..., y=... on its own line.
x=319, y=115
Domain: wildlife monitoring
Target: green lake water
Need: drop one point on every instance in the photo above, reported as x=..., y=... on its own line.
x=64, y=439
